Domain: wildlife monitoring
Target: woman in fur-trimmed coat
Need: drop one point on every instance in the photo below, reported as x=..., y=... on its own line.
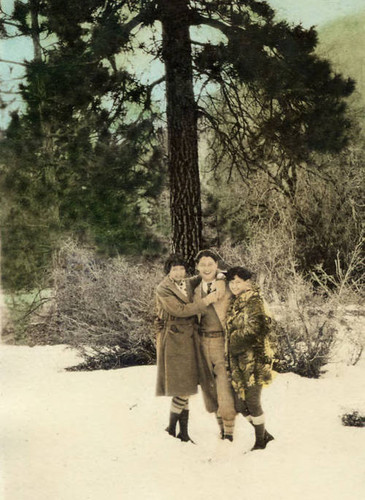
x=249, y=349
x=180, y=365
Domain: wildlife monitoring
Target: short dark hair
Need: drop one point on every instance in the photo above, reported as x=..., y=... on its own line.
x=239, y=271
x=174, y=259
x=206, y=253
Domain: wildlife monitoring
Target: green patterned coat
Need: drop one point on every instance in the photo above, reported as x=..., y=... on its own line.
x=249, y=341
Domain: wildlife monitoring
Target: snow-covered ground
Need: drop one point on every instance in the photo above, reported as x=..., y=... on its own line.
x=100, y=435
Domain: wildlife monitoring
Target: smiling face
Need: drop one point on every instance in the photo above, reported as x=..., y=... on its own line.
x=177, y=273
x=238, y=285
x=207, y=268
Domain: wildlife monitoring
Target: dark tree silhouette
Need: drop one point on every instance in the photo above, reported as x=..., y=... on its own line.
x=262, y=90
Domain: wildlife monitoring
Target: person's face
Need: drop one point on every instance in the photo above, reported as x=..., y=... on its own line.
x=177, y=273
x=238, y=285
x=207, y=268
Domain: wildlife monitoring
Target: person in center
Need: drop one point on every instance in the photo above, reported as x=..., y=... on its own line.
x=250, y=347
x=211, y=331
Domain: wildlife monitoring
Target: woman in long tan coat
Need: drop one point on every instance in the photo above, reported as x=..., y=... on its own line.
x=178, y=372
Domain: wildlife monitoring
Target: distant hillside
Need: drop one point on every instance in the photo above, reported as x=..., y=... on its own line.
x=343, y=42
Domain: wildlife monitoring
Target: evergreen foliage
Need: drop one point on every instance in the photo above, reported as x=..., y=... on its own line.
x=268, y=99
x=81, y=160
x=91, y=191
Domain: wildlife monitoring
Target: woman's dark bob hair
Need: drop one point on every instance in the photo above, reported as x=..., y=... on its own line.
x=241, y=272
x=174, y=259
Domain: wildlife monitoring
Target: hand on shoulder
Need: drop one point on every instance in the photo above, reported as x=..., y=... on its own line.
x=221, y=288
x=211, y=298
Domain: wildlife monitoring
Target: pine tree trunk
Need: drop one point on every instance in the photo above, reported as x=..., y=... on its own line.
x=44, y=123
x=185, y=202
x=35, y=30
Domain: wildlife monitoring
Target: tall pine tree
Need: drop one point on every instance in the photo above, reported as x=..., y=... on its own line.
x=280, y=100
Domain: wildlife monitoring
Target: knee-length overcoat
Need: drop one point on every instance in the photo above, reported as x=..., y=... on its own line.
x=250, y=341
x=179, y=362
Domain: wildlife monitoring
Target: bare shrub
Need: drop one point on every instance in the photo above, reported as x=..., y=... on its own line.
x=306, y=329
x=18, y=310
x=345, y=291
x=346, y=279
x=103, y=307
x=269, y=255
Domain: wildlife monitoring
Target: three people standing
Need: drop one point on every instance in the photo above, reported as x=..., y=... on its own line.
x=230, y=351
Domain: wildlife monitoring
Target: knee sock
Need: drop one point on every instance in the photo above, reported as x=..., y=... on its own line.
x=249, y=419
x=220, y=423
x=228, y=429
x=179, y=403
x=260, y=420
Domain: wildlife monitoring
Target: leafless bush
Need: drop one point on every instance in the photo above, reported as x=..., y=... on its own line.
x=270, y=255
x=346, y=280
x=102, y=307
x=105, y=307
x=18, y=310
x=306, y=329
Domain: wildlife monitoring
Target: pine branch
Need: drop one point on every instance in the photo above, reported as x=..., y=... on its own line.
x=9, y=92
x=226, y=29
x=13, y=62
x=9, y=23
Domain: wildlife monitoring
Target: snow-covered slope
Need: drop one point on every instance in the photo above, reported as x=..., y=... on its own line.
x=100, y=435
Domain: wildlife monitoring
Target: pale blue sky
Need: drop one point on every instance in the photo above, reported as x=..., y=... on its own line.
x=307, y=12
x=315, y=12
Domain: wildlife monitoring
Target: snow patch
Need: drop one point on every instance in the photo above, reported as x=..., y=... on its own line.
x=96, y=435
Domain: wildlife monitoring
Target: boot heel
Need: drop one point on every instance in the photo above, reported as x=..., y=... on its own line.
x=171, y=428
x=183, y=434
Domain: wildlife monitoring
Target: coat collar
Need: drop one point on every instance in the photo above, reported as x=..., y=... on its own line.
x=245, y=296
x=168, y=284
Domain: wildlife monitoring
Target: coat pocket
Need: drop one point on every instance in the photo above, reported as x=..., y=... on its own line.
x=181, y=329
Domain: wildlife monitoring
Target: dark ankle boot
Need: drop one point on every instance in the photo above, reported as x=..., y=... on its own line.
x=268, y=437
x=260, y=442
x=183, y=420
x=171, y=428
x=262, y=437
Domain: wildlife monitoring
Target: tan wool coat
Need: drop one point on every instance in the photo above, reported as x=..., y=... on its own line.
x=180, y=367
